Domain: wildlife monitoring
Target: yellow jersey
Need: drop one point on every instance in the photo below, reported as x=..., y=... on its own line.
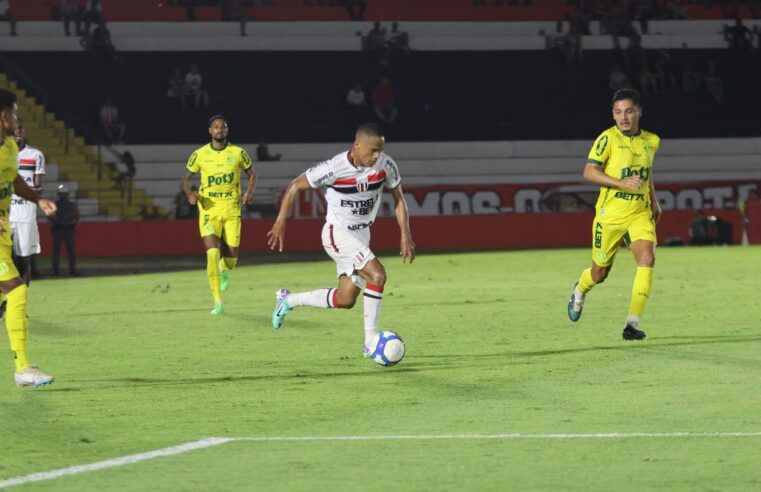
x=220, y=170
x=621, y=156
x=8, y=172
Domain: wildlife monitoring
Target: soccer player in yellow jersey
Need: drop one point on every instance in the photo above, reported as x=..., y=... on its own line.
x=11, y=285
x=220, y=164
x=621, y=162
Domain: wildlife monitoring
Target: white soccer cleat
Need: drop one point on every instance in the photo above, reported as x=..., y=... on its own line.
x=32, y=376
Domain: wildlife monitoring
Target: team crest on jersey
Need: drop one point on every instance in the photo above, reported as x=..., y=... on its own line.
x=362, y=184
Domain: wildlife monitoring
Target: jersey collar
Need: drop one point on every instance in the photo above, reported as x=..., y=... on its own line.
x=637, y=134
x=211, y=146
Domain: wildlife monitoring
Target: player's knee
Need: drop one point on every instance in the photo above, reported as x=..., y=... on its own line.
x=647, y=261
x=378, y=278
x=600, y=274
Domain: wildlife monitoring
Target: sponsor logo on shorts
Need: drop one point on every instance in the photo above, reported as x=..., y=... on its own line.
x=602, y=257
x=598, y=235
x=357, y=227
x=632, y=197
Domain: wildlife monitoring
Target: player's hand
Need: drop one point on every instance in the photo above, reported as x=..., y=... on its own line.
x=276, y=236
x=47, y=206
x=247, y=198
x=631, y=183
x=657, y=212
x=407, y=250
x=193, y=197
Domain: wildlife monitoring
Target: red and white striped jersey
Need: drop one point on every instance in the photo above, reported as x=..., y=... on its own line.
x=353, y=192
x=30, y=162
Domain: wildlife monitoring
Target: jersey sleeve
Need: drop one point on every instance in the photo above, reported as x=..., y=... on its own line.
x=393, y=178
x=245, y=160
x=322, y=174
x=600, y=151
x=39, y=167
x=193, y=166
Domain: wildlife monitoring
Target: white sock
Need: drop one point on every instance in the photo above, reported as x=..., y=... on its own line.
x=577, y=293
x=633, y=320
x=373, y=297
x=322, y=298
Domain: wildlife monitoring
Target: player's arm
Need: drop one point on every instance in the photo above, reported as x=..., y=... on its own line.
x=276, y=235
x=248, y=196
x=656, y=206
x=407, y=245
x=594, y=174
x=24, y=191
x=187, y=188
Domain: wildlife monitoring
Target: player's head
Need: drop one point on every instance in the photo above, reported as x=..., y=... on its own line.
x=218, y=128
x=19, y=134
x=368, y=144
x=627, y=110
x=8, y=113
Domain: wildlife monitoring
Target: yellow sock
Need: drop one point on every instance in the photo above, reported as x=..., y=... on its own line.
x=643, y=282
x=226, y=264
x=17, y=325
x=585, y=281
x=212, y=271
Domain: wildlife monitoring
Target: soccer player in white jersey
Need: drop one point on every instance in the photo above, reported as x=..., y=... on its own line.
x=354, y=181
x=26, y=236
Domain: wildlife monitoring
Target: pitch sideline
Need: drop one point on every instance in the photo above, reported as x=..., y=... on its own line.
x=217, y=441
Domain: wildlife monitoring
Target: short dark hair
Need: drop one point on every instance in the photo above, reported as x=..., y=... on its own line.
x=218, y=117
x=370, y=130
x=7, y=99
x=630, y=94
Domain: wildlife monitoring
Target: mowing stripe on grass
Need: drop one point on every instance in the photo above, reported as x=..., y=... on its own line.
x=216, y=441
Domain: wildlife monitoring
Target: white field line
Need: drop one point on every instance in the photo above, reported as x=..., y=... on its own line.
x=216, y=441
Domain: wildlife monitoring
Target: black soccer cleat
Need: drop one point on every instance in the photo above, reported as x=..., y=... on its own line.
x=633, y=333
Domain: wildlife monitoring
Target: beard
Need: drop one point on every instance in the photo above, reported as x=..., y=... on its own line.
x=219, y=139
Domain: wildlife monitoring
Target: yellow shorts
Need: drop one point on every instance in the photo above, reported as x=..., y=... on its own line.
x=606, y=238
x=226, y=228
x=7, y=268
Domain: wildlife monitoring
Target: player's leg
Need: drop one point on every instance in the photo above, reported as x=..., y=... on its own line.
x=605, y=242
x=375, y=275
x=643, y=241
x=342, y=246
x=229, y=249
x=211, y=231
x=16, y=323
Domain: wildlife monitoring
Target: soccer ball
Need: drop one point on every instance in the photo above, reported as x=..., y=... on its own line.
x=387, y=348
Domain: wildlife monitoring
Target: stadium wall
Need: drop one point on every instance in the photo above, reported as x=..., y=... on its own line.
x=474, y=232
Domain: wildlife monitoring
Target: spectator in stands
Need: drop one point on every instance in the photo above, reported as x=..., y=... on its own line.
x=355, y=98
x=235, y=10
x=398, y=40
x=376, y=42
x=618, y=79
x=101, y=41
x=63, y=224
x=263, y=153
x=713, y=83
x=556, y=41
x=194, y=81
x=109, y=120
x=178, y=87
x=691, y=79
x=663, y=71
x=635, y=57
x=7, y=15
x=71, y=10
x=92, y=15
x=574, y=50
x=743, y=205
x=738, y=36
x=384, y=102
x=124, y=179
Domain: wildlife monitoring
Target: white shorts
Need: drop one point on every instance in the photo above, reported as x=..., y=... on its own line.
x=349, y=249
x=26, y=238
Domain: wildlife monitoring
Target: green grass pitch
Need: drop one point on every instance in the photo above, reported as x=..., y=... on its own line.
x=140, y=365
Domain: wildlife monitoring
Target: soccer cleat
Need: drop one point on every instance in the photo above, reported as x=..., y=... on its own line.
x=632, y=332
x=32, y=376
x=219, y=308
x=225, y=281
x=2, y=308
x=281, y=308
x=575, y=305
